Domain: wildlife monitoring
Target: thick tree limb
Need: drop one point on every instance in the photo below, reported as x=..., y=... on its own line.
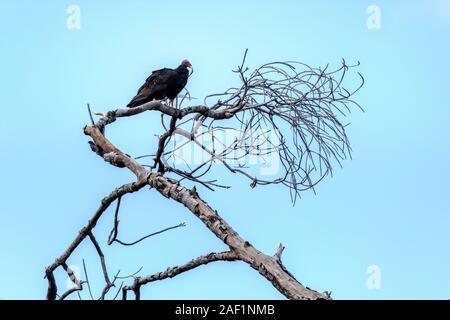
x=267, y=266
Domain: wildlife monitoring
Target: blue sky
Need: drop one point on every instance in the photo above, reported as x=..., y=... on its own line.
x=387, y=207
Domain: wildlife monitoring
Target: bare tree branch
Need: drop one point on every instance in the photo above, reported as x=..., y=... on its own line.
x=279, y=252
x=87, y=280
x=282, y=110
x=78, y=284
x=174, y=271
x=150, y=235
x=115, y=230
x=266, y=265
x=84, y=232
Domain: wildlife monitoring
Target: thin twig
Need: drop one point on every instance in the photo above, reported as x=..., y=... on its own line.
x=113, y=234
x=90, y=114
x=150, y=235
x=87, y=280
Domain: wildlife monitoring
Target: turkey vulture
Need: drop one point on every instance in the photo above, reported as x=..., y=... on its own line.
x=162, y=84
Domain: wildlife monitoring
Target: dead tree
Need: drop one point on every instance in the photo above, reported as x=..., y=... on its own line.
x=283, y=109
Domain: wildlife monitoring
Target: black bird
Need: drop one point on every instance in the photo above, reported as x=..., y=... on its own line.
x=162, y=84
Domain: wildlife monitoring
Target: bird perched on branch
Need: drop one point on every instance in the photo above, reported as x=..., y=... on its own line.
x=162, y=84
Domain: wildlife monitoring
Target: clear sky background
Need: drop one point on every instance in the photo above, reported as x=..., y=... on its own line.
x=388, y=207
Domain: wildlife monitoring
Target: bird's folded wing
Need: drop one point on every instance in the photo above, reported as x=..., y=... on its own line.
x=153, y=79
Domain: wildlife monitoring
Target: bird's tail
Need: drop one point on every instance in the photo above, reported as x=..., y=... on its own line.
x=139, y=100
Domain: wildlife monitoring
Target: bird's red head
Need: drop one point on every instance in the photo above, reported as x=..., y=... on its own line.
x=186, y=63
